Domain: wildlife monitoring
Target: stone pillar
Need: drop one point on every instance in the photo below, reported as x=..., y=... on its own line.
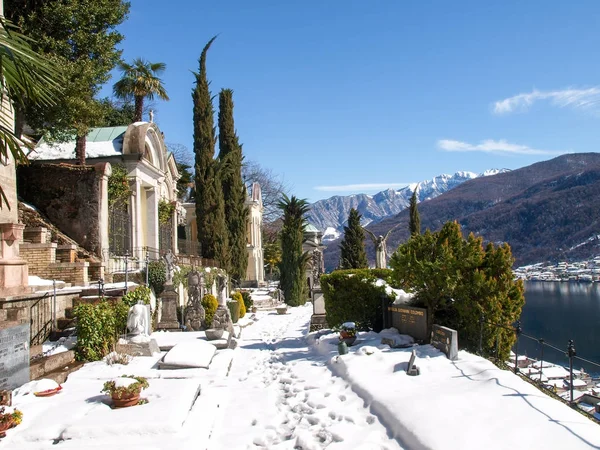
x=152, y=218
x=104, y=171
x=136, y=219
x=174, y=221
x=14, y=271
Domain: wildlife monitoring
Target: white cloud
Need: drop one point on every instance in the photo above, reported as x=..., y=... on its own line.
x=491, y=146
x=588, y=99
x=360, y=187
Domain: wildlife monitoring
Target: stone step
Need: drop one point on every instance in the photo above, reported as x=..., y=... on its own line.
x=111, y=292
x=61, y=374
x=42, y=366
x=64, y=323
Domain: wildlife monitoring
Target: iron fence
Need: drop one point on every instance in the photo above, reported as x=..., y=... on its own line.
x=188, y=247
x=569, y=352
x=40, y=319
x=165, y=237
x=119, y=237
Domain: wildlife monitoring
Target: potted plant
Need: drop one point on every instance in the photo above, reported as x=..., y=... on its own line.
x=125, y=391
x=348, y=333
x=9, y=418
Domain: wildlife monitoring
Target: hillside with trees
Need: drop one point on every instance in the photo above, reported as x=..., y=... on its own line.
x=546, y=211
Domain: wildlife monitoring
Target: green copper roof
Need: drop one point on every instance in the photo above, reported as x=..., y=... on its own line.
x=310, y=228
x=105, y=134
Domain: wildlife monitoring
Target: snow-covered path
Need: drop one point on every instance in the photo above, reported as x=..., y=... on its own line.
x=281, y=395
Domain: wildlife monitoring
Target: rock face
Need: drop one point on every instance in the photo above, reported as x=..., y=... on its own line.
x=547, y=211
x=331, y=215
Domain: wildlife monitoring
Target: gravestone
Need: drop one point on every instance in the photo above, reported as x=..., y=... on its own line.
x=412, y=370
x=446, y=340
x=410, y=320
x=14, y=356
x=169, y=300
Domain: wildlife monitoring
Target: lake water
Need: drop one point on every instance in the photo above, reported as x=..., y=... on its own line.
x=558, y=312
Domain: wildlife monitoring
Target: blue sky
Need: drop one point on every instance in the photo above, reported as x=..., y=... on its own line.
x=330, y=94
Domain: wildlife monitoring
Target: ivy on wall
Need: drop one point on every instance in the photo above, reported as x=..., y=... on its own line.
x=118, y=186
x=165, y=211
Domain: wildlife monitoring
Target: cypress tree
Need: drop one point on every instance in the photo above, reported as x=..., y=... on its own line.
x=210, y=210
x=353, y=254
x=415, y=220
x=234, y=192
x=293, y=261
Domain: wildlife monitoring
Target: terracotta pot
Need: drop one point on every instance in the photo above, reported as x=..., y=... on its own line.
x=349, y=341
x=126, y=400
x=5, y=426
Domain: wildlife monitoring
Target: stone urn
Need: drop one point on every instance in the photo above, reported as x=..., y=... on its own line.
x=213, y=334
x=281, y=309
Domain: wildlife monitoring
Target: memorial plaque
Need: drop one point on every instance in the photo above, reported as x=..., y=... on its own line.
x=446, y=340
x=14, y=356
x=410, y=320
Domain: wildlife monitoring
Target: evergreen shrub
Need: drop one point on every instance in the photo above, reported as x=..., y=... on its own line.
x=248, y=302
x=210, y=305
x=140, y=293
x=157, y=276
x=237, y=295
x=98, y=328
x=352, y=296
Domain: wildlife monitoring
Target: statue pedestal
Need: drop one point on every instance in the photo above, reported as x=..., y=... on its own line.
x=137, y=345
x=13, y=270
x=169, y=301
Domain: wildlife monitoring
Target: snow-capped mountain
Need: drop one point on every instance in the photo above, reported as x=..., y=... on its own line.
x=332, y=214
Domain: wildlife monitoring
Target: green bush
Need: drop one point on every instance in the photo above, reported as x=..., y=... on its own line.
x=140, y=293
x=98, y=328
x=234, y=309
x=237, y=295
x=157, y=276
x=181, y=276
x=351, y=296
x=248, y=302
x=210, y=305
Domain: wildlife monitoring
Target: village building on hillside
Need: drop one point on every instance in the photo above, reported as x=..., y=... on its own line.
x=141, y=226
x=255, y=273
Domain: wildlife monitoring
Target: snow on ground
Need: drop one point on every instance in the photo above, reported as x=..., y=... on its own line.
x=34, y=280
x=63, y=344
x=283, y=388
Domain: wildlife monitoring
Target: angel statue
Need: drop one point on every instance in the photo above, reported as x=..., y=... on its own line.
x=380, y=247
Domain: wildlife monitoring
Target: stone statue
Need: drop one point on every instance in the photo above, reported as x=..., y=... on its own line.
x=169, y=259
x=194, y=311
x=221, y=288
x=138, y=320
x=151, y=115
x=380, y=247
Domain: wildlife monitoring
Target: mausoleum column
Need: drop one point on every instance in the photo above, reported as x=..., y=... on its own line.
x=137, y=241
x=152, y=218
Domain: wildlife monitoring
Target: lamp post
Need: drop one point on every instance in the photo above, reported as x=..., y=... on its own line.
x=147, y=264
x=126, y=268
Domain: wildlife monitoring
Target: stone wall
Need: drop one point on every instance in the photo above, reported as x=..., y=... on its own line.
x=70, y=196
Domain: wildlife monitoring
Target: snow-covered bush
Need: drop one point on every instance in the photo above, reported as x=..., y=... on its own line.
x=353, y=295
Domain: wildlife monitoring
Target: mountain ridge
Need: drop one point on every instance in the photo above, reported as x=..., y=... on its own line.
x=546, y=211
x=332, y=214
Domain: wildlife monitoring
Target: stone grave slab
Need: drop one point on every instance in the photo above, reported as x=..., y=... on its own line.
x=410, y=320
x=14, y=356
x=446, y=340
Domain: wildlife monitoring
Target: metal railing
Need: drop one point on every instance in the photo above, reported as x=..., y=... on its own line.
x=40, y=319
x=188, y=247
x=569, y=351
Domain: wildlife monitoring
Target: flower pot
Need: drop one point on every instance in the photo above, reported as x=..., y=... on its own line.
x=234, y=309
x=281, y=309
x=5, y=425
x=214, y=333
x=126, y=400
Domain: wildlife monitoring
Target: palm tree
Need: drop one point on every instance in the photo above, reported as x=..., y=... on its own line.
x=24, y=75
x=140, y=81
